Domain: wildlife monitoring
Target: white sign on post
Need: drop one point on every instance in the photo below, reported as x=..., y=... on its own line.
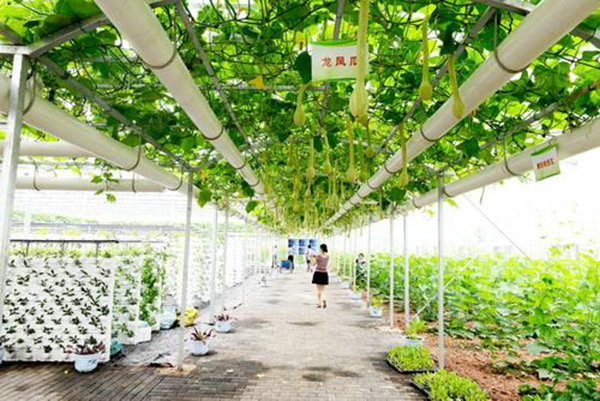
x=545, y=162
x=334, y=60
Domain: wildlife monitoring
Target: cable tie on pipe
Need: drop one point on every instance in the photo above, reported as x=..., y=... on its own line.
x=385, y=167
x=160, y=66
x=505, y=67
x=370, y=187
x=242, y=166
x=35, y=178
x=425, y=136
x=133, y=184
x=216, y=137
x=179, y=186
x=139, y=158
x=446, y=194
x=414, y=204
x=508, y=170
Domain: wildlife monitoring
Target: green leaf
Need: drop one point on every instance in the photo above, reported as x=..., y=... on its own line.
x=250, y=206
x=470, y=147
x=247, y=189
x=397, y=194
x=303, y=66
x=204, y=197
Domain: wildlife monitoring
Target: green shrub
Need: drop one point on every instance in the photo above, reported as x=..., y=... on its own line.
x=448, y=386
x=411, y=358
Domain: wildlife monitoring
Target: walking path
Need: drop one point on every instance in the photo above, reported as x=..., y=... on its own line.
x=282, y=348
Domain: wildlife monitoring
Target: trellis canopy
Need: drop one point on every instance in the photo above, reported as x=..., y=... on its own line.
x=252, y=63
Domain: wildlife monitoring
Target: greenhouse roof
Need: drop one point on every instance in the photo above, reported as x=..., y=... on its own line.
x=252, y=62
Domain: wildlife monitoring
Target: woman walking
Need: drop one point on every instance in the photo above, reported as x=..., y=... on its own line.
x=320, y=276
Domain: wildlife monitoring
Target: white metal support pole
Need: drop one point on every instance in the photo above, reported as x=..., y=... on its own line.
x=392, y=268
x=224, y=270
x=353, y=266
x=10, y=163
x=213, y=267
x=245, y=266
x=343, y=258
x=441, y=350
x=406, y=272
x=186, y=267
x=369, y=261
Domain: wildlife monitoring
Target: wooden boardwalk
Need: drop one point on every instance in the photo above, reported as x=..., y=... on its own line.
x=282, y=348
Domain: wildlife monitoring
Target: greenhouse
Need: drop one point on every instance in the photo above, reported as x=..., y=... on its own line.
x=300, y=199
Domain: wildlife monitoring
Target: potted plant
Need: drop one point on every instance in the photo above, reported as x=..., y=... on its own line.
x=86, y=355
x=200, y=341
x=223, y=323
x=412, y=339
x=356, y=295
x=410, y=359
x=376, y=307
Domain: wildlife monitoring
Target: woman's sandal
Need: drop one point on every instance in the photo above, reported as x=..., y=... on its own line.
x=324, y=304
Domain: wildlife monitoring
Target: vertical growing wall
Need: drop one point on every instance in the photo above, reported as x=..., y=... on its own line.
x=54, y=303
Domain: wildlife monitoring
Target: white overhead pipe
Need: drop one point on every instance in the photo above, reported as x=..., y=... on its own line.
x=543, y=27
x=50, y=119
x=81, y=184
x=138, y=24
x=50, y=149
x=578, y=141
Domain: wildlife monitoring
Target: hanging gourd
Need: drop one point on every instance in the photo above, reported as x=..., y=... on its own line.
x=327, y=165
x=404, y=173
x=351, y=172
x=359, y=100
x=299, y=115
x=363, y=174
x=425, y=90
x=370, y=151
x=458, y=107
x=311, y=173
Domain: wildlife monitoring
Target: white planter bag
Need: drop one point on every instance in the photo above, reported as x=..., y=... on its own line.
x=356, y=296
x=412, y=342
x=2, y=354
x=223, y=326
x=199, y=348
x=85, y=363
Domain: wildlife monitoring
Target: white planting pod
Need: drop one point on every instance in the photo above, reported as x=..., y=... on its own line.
x=50, y=119
x=82, y=184
x=138, y=24
x=544, y=26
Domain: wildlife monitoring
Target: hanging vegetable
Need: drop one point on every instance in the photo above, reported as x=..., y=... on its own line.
x=359, y=101
x=311, y=173
x=299, y=115
x=425, y=90
x=351, y=172
x=404, y=173
x=327, y=166
x=458, y=107
x=370, y=152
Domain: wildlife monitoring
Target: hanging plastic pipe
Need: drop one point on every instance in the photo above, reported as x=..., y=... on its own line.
x=50, y=149
x=580, y=140
x=544, y=26
x=80, y=184
x=138, y=24
x=50, y=119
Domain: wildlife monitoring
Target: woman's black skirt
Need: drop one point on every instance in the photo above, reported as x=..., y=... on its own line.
x=321, y=278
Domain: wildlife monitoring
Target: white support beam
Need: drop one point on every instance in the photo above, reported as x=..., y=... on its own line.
x=50, y=149
x=8, y=176
x=543, y=27
x=582, y=139
x=224, y=267
x=138, y=24
x=440, y=281
x=81, y=184
x=50, y=119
